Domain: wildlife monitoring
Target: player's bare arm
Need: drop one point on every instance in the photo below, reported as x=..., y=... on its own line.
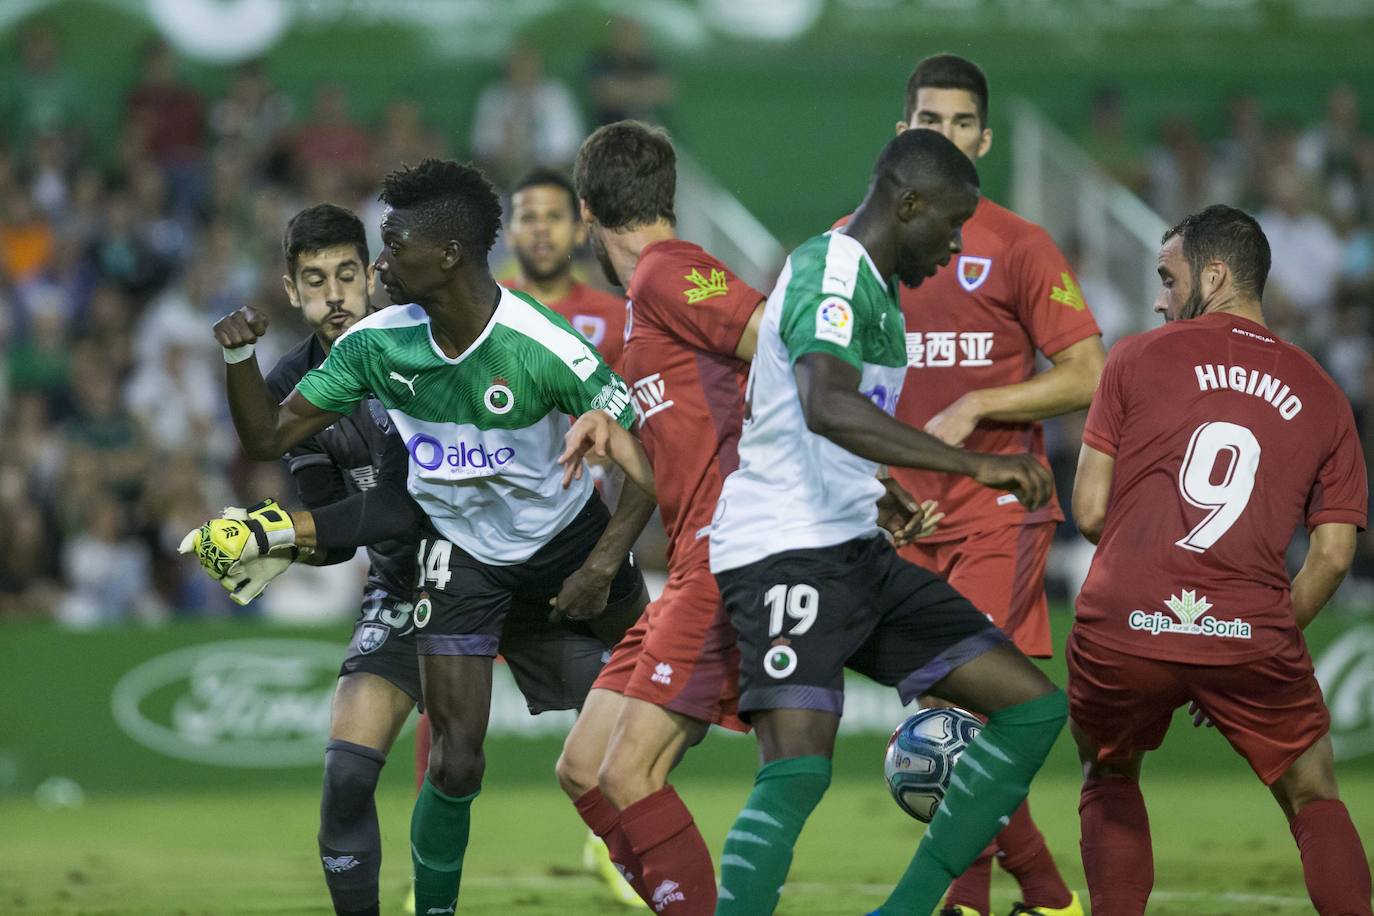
x=1091, y=487
x=1330, y=551
x=266, y=429
x=749, y=340
x=833, y=407
x=596, y=435
x=1066, y=386
x=585, y=592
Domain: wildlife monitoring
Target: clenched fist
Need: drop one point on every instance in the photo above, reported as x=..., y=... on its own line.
x=240, y=327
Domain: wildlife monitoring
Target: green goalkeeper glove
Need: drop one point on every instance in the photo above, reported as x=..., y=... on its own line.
x=241, y=535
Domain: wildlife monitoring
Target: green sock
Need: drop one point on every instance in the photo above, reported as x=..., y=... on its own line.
x=991, y=778
x=438, y=840
x=758, y=848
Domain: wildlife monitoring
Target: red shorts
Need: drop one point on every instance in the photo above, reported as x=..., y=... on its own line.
x=681, y=655
x=1002, y=571
x=1270, y=709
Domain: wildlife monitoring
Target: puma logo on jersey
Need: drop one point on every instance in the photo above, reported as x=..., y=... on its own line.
x=408, y=382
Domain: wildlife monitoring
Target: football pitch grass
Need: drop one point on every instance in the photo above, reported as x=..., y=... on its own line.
x=1221, y=845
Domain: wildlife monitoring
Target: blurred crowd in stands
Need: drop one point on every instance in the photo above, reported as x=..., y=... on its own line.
x=112, y=410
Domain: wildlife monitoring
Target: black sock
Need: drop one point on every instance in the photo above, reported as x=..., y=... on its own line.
x=350, y=842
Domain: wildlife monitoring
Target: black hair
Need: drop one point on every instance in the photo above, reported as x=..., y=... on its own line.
x=319, y=227
x=446, y=200
x=948, y=71
x=627, y=174
x=1222, y=233
x=924, y=159
x=542, y=177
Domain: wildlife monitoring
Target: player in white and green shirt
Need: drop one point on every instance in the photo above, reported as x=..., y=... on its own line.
x=811, y=583
x=478, y=382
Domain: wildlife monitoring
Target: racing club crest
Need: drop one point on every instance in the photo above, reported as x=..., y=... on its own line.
x=973, y=271
x=371, y=636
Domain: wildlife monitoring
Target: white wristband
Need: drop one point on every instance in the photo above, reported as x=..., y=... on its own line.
x=237, y=354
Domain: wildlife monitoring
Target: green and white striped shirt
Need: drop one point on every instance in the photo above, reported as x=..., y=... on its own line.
x=795, y=489
x=484, y=429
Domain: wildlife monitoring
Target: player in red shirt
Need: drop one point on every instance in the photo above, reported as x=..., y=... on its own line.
x=691, y=327
x=1208, y=443
x=544, y=231
x=972, y=334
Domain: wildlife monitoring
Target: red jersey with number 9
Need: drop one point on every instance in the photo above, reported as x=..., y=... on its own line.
x=1225, y=439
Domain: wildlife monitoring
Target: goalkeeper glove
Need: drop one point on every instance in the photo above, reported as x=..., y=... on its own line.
x=239, y=535
x=248, y=578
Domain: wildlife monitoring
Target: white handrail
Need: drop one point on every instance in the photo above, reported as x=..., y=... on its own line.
x=1114, y=234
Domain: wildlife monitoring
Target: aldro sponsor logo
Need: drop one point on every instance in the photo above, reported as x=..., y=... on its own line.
x=431, y=454
x=1189, y=619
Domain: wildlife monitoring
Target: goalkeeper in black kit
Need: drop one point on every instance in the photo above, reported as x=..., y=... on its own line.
x=329, y=278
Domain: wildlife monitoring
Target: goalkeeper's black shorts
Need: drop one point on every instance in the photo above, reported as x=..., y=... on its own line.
x=383, y=642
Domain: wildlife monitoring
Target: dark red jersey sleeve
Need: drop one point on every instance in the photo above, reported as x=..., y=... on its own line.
x=1048, y=299
x=1340, y=494
x=699, y=300
x=1102, y=429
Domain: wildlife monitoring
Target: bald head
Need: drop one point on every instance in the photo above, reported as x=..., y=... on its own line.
x=925, y=162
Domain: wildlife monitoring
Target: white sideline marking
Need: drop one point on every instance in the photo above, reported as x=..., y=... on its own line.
x=810, y=887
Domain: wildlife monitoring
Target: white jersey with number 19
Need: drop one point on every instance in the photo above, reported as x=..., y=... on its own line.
x=795, y=489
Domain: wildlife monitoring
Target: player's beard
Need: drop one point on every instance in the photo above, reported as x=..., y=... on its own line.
x=1194, y=307
x=603, y=257
x=530, y=271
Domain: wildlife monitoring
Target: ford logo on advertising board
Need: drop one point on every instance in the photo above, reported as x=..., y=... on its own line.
x=1345, y=670
x=239, y=703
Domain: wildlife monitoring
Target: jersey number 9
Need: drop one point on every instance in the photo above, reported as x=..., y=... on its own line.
x=1227, y=498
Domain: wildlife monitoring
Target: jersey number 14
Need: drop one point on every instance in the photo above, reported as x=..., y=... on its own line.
x=1224, y=499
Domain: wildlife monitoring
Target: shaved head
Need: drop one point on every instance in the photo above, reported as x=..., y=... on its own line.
x=926, y=162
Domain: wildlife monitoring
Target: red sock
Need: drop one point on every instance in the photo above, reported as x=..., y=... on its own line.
x=1333, y=860
x=677, y=864
x=973, y=888
x=1021, y=851
x=421, y=750
x=604, y=819
x=1117, y=856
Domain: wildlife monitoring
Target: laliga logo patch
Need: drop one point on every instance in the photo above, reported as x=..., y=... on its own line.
x=423, y=610
x=834, y=321
x=499, y=398
x=973, y=272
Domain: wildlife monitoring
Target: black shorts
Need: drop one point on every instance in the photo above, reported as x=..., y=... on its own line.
x=803, y=616
x=383, y=642
x=466, y=607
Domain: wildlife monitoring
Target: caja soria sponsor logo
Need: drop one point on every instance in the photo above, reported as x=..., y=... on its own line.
x=1189, y=619
x=431, y=454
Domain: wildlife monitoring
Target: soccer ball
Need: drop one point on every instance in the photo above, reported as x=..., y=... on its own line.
x=921, y=755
